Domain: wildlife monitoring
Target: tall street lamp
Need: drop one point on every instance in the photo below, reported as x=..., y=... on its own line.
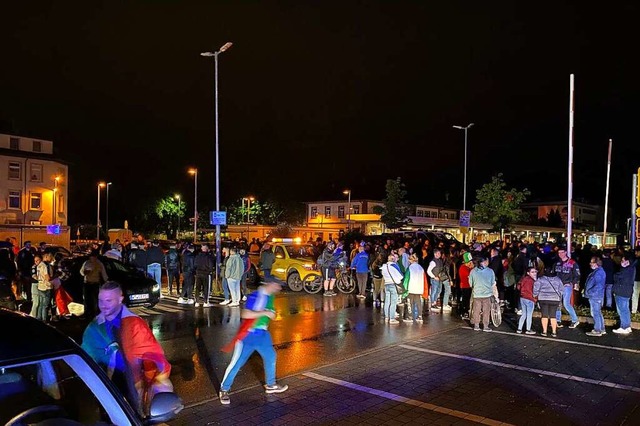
x=106, y=219
x=215, y=55
x=464, y=191
x=177, y=197
x=194, y=172
x=464, y=196
x=248, y=200
x=54, y=217
x=100, y=185
x=348, y=192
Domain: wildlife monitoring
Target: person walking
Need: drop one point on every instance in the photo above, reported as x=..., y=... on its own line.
x=392, y=279
x=124, y=346
x=254, y=336
x=547, y=290
x=360, y=263
x=483, y=285
x=233, y=271
x=622, y=291
x=527, y=301
x=594, y=289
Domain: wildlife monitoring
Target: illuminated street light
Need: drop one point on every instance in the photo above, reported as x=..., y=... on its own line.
x=100, y=185
x=215, y=55
x=177, y=197
x=464, y=191
x=194, y=172
x=106, y=220
x=348, y=192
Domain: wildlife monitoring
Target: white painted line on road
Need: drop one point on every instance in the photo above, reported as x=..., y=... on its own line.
x=398, y=398
x=166, y=309
x=555, y=339
x=527, y=369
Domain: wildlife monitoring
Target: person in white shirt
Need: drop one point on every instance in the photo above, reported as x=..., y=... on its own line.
x=417, y=280
x=392, y=277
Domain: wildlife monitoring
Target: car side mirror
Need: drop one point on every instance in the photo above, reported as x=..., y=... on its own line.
x=164, y=407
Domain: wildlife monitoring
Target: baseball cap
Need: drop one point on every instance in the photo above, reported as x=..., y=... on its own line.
x=467, y=257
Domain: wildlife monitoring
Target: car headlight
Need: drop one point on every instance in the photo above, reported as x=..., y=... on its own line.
x=155, y=288
x=308, y=266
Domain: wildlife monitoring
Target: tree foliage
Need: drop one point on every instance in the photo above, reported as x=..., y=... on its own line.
x=497, y=205
x=161, y=217
x=265, y=212
x=395, y=210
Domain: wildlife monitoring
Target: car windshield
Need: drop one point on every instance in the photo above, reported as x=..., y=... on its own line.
x=63, y=389
x=297, y=251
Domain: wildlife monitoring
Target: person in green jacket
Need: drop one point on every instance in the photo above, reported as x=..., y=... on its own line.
x=482, y=280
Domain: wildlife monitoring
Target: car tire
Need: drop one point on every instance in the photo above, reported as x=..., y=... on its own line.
x=312, y=283
x=294, y=282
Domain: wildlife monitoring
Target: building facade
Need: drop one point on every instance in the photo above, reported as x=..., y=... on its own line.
x=33, y=184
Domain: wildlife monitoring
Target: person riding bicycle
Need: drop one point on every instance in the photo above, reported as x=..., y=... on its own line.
x=328, y=262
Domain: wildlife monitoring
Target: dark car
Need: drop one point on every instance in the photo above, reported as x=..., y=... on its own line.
x=46, y=378
x=7, y=298
x=138, y=288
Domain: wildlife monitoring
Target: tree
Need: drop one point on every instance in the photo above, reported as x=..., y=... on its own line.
x=497, y=205
x=395, y=210
x=554, y=219
x=161, y=216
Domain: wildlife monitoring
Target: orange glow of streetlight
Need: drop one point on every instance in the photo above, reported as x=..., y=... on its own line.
x=102, y=184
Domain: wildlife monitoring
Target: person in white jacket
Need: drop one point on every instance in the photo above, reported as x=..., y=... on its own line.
x=416, y=287
x=392, y=276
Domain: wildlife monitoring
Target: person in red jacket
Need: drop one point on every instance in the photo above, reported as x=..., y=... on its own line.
x=525, y=288
x=465, y=288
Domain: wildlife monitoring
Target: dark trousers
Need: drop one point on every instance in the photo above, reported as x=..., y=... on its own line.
x=466, y=299
x=90, y=296
x=173, y=274
x=202, y=286
x=187, y=286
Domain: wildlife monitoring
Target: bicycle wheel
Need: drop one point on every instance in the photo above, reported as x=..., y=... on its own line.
x=346, y=284
x=312, y=283
x=496, y=315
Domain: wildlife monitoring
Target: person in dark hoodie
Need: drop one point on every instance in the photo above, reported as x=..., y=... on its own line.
x=609, y=267
x=623, y=290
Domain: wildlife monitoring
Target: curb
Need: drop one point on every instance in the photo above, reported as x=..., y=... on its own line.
x=588, y=320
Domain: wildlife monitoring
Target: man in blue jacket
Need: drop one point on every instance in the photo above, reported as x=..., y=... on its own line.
x=594, y=291
x=360, y=263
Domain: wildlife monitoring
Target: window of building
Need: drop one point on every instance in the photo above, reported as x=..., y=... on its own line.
x=14, y=199
x=14, y=143
x=446, y=215
x=340, y=212
x=15, y=170
x=356, y=209
x=420, y=213
x=35, y=202
x=427, y=213
x=327, y=212
x=314, y=212
x=37, y=146
x=36, y=172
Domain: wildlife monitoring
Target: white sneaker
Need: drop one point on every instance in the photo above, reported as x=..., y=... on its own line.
x=225, y=302
x=244, y=298
x=206, y=305
x=197, y=305
x=181, y=300
x=419, y=320
x=519, y=312
x=619, y=330
x=234, y=304
x=446, y=309
x=190, y=302
x=394, y=321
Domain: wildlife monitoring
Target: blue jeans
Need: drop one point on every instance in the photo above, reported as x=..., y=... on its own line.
x=267, y=274
x=234, y=288
x=527, y=313
x=155, y=271
x=35, y=298
x=225, y=288
x=45, y=302
x=596, y=313
x=257, y=340
x=622, y=306
x=447, y=293
x=391, y=300
x=608, y=295
x=566, y=302
x=435, y=291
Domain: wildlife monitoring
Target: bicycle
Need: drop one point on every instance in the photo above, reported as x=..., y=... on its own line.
x=345, y=281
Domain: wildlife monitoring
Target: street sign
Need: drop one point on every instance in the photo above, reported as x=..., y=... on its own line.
x=55, y=230
x=218, y=218
x=465, y=218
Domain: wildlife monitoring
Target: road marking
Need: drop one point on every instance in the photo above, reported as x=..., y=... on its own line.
x=555, y=339
x=166, y=309
x=527, y=369
x=398, y=398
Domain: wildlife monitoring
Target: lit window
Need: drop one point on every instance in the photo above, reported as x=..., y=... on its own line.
x=356, y=209
x=36, y=201
x=15, y=170
x=14, y=143
x=340, y=212
x=36, y=173
x=427, y=213
x=37, y=146
x=314, y=212
x=420, y=213
x=14, y=199
x=327, y=212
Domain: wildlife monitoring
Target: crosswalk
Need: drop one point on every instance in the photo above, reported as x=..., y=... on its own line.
x=167, y=305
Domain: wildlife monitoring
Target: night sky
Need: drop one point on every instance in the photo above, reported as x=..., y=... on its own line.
x=316, y=97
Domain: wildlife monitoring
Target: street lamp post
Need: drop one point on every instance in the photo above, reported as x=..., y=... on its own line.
x=464, y=190
x=54, y=216
x=194, y=172
x=106, y=219
x=100, y=185
x=348, y=192
x=177, y=196
x=215, y=55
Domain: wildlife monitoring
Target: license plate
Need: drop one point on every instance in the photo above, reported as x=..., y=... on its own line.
x=138, y=297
